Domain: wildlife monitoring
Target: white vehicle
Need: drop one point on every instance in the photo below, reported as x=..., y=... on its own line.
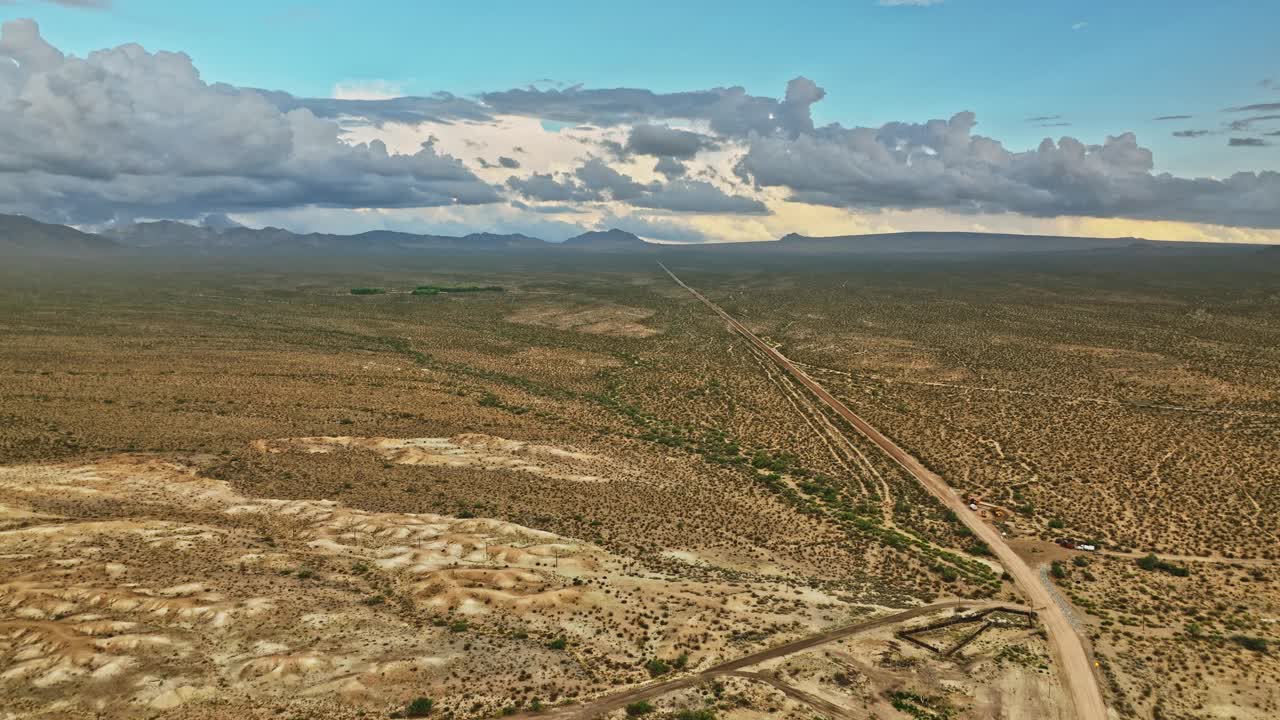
x=973, y=506
x=1090, y=548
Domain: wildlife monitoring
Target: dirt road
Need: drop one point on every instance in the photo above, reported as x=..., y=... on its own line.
x=1216, y=559
x=608, y=703
x=1074, y=666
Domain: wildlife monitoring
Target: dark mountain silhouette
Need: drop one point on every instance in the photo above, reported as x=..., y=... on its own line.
x=20, y=235
x=613, y=239
x=167, y=234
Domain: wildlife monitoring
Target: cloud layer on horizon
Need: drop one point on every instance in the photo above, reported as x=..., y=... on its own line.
x=129, y=133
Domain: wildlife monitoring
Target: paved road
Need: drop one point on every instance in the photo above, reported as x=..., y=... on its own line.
x=609, y=703
x=1074, y=666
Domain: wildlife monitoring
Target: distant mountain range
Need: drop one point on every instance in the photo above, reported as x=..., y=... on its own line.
x=22, y=236
x=607, y=240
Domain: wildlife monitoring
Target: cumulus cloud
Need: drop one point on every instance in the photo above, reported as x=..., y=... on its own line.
x=670, y=167
x=436, y=108
x=545, y=187
x=660, y=140
x=603, y=181
x=729, y=111
x=698, y=197
x=595, y=181
x=126, y=132
x=942, y=164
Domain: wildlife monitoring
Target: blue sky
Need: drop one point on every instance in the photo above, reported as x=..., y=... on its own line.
x=1094, y=68
x=1007, y=60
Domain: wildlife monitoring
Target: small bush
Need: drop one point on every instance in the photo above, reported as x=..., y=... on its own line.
x=699, y=714
x=437, y=289
x=638, y=708
x=420, y=707
x=558, y=644
x=657, y=667
x=1151, y=562
x=1255, y=644
x=978, y=548
x=367, y=291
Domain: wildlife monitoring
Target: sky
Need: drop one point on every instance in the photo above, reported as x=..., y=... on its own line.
x=682, y=122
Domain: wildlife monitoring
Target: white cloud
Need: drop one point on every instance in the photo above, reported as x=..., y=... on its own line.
x=125, y=132
x=1080, y=26
x=367, y=90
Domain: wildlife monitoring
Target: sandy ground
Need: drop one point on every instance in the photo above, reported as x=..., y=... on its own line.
x=466, y=450
x=1071, y=655
x=135, y=584
x=598, y=320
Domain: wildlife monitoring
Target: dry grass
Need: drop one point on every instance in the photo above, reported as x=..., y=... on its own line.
x=207, y=480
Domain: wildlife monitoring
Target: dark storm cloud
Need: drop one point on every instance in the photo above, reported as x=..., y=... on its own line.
x=545, y=187
x=660, y=140
x=1190, y=133
x=600, y=179
x=1173, y=117
x=696, y=196
x=669, y=167
x=125, y=132
x=1247, y=142
x=595, y=181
